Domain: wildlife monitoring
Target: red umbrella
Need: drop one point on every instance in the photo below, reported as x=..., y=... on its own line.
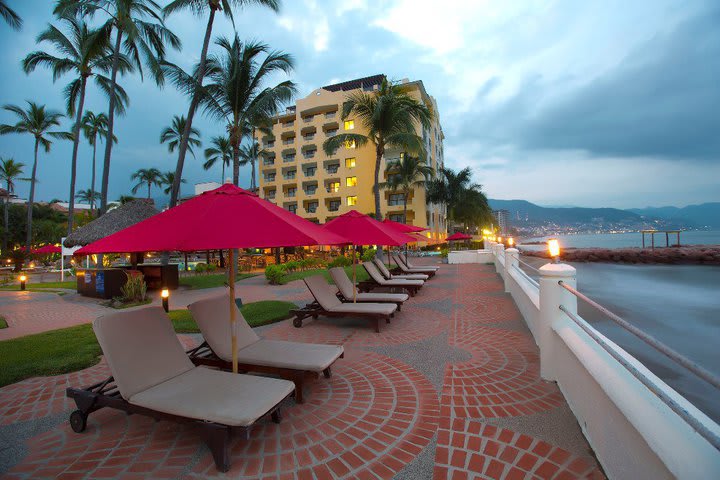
x=362, y=229
x=459, y=236
x=402, y=227
x=225, y=218
x=46, y=250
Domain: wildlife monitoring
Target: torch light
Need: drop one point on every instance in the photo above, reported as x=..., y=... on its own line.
x=500, y=240
x=165, y=295
x=554, y=249
x=23, y=280
x=511, y=241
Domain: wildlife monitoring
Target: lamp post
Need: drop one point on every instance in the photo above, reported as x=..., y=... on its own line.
x=554, y=248
x=165, y=295
x=23, y=280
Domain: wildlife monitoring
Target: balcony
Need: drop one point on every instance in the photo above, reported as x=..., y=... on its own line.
x=310, y=172
x=289, y=177
x=309, y=154
x=270, y=196
x=331, y=133
x=268, y=163
x=269, y=178
x=269, y=144
x=308, y=119
x=288, y=124
x=330, y=115
x=288, y=158
x=333, y=169
x=310, y=191
x=289, y=141
x=290, y=194
x=308, y=137
x=334, y=207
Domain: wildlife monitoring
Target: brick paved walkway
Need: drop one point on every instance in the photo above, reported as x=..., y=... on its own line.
x=449, y=390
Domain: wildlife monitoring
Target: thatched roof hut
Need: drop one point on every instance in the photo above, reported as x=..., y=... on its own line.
x=113, y=221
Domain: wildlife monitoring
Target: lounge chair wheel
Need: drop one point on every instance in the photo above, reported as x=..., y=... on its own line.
x=327, y=372
x=297, y=323
x=276, y=416
x=78, y=421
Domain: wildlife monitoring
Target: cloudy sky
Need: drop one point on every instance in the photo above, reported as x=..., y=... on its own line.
x=592, y=103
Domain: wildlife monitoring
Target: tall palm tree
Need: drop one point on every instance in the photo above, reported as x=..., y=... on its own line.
x=220, y=151
x=85, y=53
x=10, y=171
x=94, y=127
x=140, y=34
x=37, y=121
x=389, y=117
x=167, y=180
x=463, y=198
x=173, y=134
x=236, y=93
x=200, y=7
x=405, y=175
x=88, y=196
x=146, y=176
x=249, y=153
x=10, y=17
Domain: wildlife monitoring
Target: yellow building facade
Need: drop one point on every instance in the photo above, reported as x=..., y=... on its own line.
x=296, y=174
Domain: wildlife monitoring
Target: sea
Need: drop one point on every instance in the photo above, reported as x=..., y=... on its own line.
x=677, y=304
x=624, y=240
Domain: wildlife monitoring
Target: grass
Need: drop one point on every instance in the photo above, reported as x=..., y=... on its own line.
x=45, y=286
x=74, y=348
x=360, y=274
x=197, y=282
x=3, y=322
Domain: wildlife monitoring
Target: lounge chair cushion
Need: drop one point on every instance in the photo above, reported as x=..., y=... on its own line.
x=321, y=291
x=386, y=273
x=403, y=266
x=346, y=288
x=365, y=308
x=380, y=280
x=380, y=297
x=215, y=396
x=213, y=317
x=312, y=357
x=410, y=265
x=141, y=349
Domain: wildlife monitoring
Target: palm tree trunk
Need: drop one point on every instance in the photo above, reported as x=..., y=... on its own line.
x=6, y=221
x=405, y=199
x=92, y=178
x=379, y=151
x=110, y=125
x=31, y=199
x=222, y=179
x=149, y=185
x=252, y=178
x=236, y=165
x=76, y=145
x=182, y=150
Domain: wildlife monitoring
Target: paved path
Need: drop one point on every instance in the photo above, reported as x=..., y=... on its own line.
x=449, y=390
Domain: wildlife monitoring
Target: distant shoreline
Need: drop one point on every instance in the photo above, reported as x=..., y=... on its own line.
x=686, y=255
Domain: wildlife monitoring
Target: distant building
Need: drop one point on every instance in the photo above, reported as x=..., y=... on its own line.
x=64, y=207
x=503, y=220
x=206, y=187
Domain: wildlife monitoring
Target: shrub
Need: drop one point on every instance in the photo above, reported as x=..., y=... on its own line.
x=211, y=267
x=292, y=266
x=369, y=254
x=274, y=274
x=310, y=263
x=135, y=288
x=201, y=268
x=444, y=252
x=339, y=262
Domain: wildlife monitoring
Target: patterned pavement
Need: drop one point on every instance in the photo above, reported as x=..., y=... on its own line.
x=450, y=389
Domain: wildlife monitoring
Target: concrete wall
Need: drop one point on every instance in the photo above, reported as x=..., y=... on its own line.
x=471, y=256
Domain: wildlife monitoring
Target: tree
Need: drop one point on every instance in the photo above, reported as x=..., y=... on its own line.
x=10, y=17
x=389, y=117
x=220, y=151
x=140, y=34
x=94, y=127
x=167, y=180
x=85, y=53
x=249, y=154
x=405, y=175
x=200, y=7
x=87, y=196
x=10, y=171
x=464, y=200
x=36, y=121
x=172, y=135
x=146, y=176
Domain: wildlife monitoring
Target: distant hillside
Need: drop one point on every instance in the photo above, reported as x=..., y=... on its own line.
x=703, y=215
x=524, y=212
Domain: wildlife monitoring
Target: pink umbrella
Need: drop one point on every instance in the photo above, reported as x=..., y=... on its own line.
x=46, y=250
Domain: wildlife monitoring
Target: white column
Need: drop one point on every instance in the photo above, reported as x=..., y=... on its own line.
x=498, y=250
x=552, y=295
x=511, y=259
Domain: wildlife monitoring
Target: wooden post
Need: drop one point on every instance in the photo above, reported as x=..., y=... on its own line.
x=354, y=276
x=667, y=239
x=643, y=236
x=678, y=235
x=233, y=320
x=652, y=239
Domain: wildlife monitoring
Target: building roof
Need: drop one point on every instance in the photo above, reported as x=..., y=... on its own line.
x=357, y=83
x=4, y=193
x=113, y=221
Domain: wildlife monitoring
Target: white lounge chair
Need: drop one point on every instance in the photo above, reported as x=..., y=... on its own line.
x=345, y=287
x=290, y=360
x=153, y=376
x=377, y=280
x=386, y=273
x=402, y=265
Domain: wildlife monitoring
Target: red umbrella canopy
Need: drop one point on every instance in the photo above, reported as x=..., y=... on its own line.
x=46, y=250
x=224, y=218
x=459, y=236
x=402, y=227
x=362, y=229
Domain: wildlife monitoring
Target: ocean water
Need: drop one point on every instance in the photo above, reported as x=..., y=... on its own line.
x=623, y=240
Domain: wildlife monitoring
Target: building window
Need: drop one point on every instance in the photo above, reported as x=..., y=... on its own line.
x=334, y=205
x=310, y=171
x=333, y=187
x=291, y=192
x=292, y=208
x=349, y=163
x=397, y=217
x=312, y=207
x=352, y=200
x=396, y=199
x=349, y=124
x=351, y=182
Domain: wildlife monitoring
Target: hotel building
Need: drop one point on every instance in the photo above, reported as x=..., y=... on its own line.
x=295, y=172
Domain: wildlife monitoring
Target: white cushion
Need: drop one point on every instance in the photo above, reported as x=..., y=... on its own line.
x=321, y=291
x=379, y=279
x=365, y=308
x=312, y=357
x=386, y=273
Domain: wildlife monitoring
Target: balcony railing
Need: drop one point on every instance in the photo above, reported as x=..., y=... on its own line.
x=308, y=119
x=335, y=189
x=310, y=154
x=333, y=169
x=289, y=177
x=331, y=133
x=308, y=137
x=334, y=207
x=290, y=194
x=269, y=144
x=288, y=124
x=289, y=158
x=310, y=172
x=309, y=191
x=289, y=141
x=312, y=208
x=268, y=162
x=270, y=178
x=330, y=115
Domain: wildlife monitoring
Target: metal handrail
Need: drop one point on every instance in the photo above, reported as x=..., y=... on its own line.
x=650, y=340
x=528, y=265
x=527, y=277
x=699, y=427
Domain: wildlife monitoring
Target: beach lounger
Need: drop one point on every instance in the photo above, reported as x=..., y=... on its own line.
x=377, y=280
x=410, y=265
x=153, y=376
x=345, y=286
x=293, y=361
x=386, y=273
x=327, y=304
x=403, y=267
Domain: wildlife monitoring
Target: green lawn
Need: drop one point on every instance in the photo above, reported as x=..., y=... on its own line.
x=360, y=274
x=70, y=349
x=71, y=284
x=209, y=281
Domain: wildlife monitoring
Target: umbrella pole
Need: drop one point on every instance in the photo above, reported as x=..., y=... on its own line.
x=233, y=320
x=354, y=276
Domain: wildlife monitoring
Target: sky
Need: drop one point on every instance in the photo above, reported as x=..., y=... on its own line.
x=593, y=103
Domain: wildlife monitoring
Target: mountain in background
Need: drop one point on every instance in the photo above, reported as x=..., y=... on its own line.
x=703, y=215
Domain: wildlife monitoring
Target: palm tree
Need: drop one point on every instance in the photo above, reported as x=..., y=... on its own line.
x=463, y=198
x=146, y=176
x=88, y=196
x=405, y=175
x=10, y=171
x=36, y=121
x=167, y=180
x=94, y=126
x=249, y=153
x=172, y=135
x=85, y=53
x=10, y=17
x=389, y=116
x=139, y=33
x=236, y=93
x=199, y=7
x=220, y=151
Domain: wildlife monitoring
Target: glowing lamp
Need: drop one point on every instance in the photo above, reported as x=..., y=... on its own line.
x=554, y=248
x=500, y=239
x=511, y=241
x=165, y=295
x=23, y=280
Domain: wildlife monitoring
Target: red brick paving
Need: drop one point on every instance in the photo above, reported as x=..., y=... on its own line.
x=373, y=417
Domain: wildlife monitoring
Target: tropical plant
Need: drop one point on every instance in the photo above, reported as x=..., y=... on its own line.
x=126, y=199
x=10, y=17
x=389, y=117
x=85, y=53
x=87, y=196
x=248, y=154
x=146, y=176
x=172, y=135
x=200, y=7
x=405, y=175
x=140, y=34
x=167, y=180
x=94, y=127
x=135, y=287
x=464, y=199
x=220, y=151
x=10, y=172
x=36, y=121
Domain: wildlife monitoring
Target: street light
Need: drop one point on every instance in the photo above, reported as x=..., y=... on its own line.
x=511, y=241
x=554, y=249
x=165, y=295
x=23, y=279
